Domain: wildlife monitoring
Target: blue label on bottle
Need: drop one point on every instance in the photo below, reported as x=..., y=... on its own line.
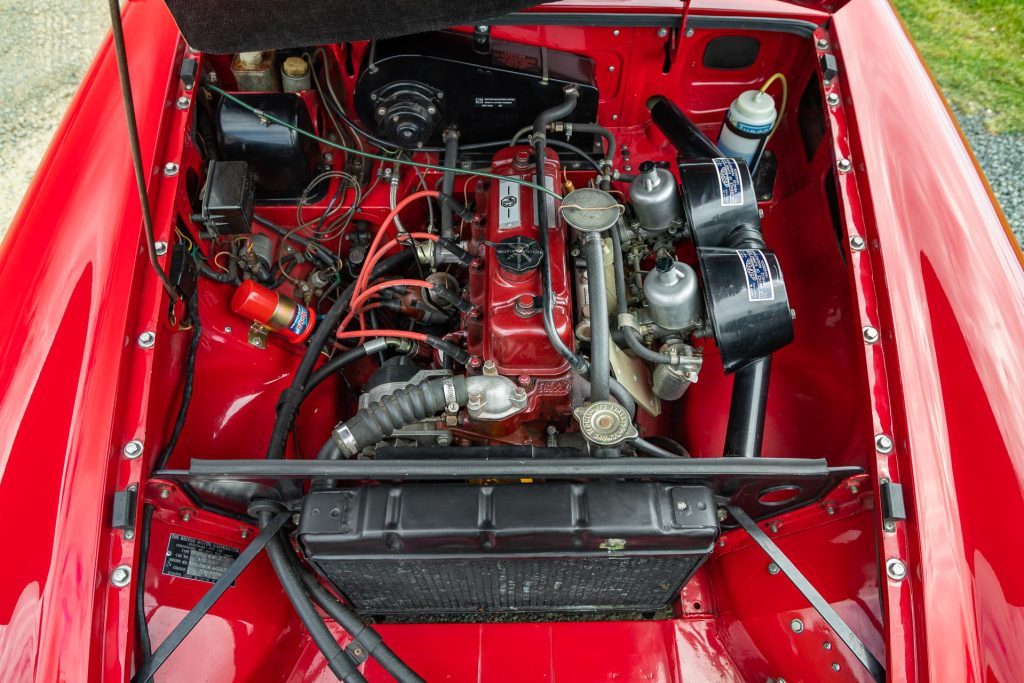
x=753, y=130
x=301, y=320
x=759, y=275
x=730, y=183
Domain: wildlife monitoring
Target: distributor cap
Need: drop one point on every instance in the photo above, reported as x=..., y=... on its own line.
x=518, y=254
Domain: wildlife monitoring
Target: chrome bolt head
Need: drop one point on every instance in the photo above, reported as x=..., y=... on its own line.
x=883, y=444
x=689, y=33
x=827, y=645
x=773, y=568
x=870, y=334
x=132, y=449
x=183, y=102
x=835, y=666
x=662, y=32
x=889, y=526
x=844, y=166
x=822, y=44
x=160, y=248
x=832, y=99
x=797, y=626
x=147, y=340
x=857, y=243
x=129, y=534
x=165, y=493
x=611, y=68
x=170, y=169
x=616, y=32
x=121, y=576
x=896, y=570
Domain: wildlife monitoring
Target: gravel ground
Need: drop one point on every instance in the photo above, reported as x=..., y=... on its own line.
x=48, y=46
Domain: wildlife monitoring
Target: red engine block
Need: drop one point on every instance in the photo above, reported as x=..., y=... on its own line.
x=510, y=330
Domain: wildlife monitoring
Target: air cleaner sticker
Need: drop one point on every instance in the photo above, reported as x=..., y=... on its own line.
x=730, y=183
x=509, y=211
x=194, y=558
x=494, y=102
x=759, y=275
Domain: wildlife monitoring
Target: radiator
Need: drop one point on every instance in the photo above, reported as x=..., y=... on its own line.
x=459, y=548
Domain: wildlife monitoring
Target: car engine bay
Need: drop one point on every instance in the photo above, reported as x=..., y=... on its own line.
x=491, y=324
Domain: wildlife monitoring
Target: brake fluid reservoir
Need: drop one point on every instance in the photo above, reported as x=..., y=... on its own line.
x=747, y=125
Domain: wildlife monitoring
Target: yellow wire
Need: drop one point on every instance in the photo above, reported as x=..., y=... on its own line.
x=785, y=95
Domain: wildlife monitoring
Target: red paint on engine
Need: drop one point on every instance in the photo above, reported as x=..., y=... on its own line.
x=513, y=337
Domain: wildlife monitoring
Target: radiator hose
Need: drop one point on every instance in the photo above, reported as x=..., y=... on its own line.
x=382, y=418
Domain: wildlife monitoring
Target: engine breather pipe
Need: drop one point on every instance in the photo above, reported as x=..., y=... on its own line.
x=540, y=124
x=600, y=334
x=451, y=157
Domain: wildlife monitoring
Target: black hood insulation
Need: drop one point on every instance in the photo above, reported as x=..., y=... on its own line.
x=222, y=26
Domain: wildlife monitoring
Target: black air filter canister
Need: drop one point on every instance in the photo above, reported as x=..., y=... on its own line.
x=461, y=548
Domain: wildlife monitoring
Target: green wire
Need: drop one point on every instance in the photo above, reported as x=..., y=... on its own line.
x=265, y=118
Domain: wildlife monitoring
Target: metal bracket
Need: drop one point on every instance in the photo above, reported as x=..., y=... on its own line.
x=258, y=335
x=822, y=606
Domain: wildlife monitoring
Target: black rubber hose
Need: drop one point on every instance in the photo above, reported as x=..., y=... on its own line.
x=364, y=634
x=217, y=276
x=337, y=659
x=292, y=396
x=681, y=131
x=744, y=434
x=600, y=333
x=451, y=157
x=650, y=449
x=141, y=627
x=406, y=406
x=605, y=168
x=620, y=394
x=636, y=345
x=186, y=389
x=548, y=309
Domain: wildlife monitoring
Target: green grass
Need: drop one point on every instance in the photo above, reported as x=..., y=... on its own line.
x=975, y=49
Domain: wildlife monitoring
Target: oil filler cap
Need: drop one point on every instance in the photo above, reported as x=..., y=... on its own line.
x=605, y=423
x=518, y=254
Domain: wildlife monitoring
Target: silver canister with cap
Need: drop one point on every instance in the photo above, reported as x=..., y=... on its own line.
x=295, y=75
x=673, y=295
x=655, y=199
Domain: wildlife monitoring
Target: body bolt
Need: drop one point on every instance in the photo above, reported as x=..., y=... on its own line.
x=662, y=32
x=611, y=68
x=616, y=32
x=857, y=243
x=889, y=525
x=773, y=568
x=129, y=534
x=170, y=169
x=147, y=339
x=827, y=645
x=689, y=33
x=121, y=576
x=160, y=248
x=832, y=99
x=844, y=165
x=835, y=666
x=165, y=493
x=870, y=334
x=186, y=515
x=896, y=570
x=132, y=449
x=183, y=102
x=822, y=44
x=797, y=626
x=883, y=444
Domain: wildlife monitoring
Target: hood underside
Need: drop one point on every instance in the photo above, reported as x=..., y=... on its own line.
x=218, y=26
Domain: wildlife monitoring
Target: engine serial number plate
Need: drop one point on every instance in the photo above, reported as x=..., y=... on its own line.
x=194, y=558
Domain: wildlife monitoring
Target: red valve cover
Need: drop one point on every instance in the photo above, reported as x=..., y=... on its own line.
x=511, y=329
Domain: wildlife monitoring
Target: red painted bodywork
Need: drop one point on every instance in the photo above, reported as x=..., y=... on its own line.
x=941, y=280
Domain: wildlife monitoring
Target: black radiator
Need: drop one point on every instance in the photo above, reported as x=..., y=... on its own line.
x=460, y=548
